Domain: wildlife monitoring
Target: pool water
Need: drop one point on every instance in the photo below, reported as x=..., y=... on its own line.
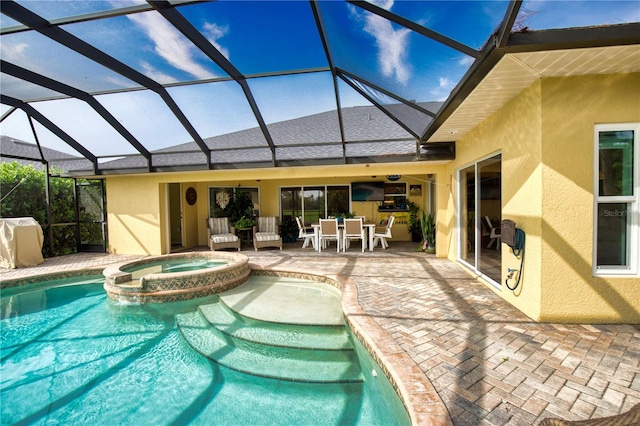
x=70, y=356
x=173, y=265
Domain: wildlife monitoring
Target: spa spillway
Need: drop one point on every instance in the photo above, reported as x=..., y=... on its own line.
x=175, y=277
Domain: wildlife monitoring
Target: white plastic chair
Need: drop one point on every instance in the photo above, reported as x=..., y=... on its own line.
x=494, y=233
x=353, y=230
x=305, y=233
x=382, y=236
x=329, y=231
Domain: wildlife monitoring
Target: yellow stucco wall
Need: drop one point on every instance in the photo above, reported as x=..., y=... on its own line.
x=139, y=217
x=571, y=107
x=133, y=207
x=545, y=136
x=513, y=131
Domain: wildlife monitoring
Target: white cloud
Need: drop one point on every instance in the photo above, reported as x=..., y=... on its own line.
x=154, y=74
x=392, y=44
x=385, y=4
x=442, y=91
x=11, y=52
x=444, y=82
x=213, y=32
x=21, y=53
x=170, y=44
x=465, y=61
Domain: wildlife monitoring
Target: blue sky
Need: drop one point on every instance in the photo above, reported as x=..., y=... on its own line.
x=261, y=37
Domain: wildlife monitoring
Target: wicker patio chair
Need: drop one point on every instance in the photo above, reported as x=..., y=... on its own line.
x=221, y=234
x=265, y=233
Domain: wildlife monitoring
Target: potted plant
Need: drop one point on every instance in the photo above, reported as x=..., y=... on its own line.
x=428, y=227
x=414, y=222
x=347, y=215
x=240, y=206
x=244, y=223
x=289, y=230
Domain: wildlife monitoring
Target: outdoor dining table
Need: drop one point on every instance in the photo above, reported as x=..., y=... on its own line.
x=369, y=226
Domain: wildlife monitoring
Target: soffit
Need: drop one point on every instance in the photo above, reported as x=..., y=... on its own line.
x=516, y=71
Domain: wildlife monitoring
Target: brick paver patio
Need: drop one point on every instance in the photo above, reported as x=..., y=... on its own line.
x=490, y=364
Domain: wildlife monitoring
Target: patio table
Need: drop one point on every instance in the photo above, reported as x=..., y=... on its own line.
x=369, y=226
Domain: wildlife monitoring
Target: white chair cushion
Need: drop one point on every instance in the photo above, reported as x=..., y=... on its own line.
x=224, y=238
x=267, y=236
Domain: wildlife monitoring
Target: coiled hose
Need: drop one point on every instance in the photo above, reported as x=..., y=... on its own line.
x=518, y=251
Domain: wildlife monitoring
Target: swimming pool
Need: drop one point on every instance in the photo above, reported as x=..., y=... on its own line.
x=70, y=356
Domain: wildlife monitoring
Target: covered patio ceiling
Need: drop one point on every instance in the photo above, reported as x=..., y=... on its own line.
x=130, y=86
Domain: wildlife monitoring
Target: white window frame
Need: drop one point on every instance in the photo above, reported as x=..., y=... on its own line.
x=633, y=252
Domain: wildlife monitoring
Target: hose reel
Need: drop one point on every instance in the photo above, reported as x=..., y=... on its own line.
x=516, y=239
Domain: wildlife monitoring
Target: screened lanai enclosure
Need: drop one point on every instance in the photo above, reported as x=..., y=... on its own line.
x=130, y=85
x=126, y=85
x=99, y=88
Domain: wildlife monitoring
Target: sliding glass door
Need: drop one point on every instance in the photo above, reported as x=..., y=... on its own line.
x=480, y=211
x=314, y=202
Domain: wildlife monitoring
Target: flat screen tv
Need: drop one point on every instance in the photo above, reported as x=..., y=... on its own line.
x=367, y=191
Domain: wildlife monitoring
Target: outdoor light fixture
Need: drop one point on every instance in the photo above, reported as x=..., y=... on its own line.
x=393, y=178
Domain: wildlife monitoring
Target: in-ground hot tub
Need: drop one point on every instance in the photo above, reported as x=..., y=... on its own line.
x=175, y=277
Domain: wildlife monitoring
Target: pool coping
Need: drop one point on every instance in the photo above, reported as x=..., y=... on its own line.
x=413, y=387
x=31, y=279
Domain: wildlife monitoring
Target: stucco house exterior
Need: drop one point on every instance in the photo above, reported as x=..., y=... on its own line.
x=543, y=145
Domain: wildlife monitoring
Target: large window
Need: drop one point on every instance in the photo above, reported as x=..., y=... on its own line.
x=615, y=248
x=313, y=202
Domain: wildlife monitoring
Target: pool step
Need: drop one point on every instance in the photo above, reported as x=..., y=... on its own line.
x=229, y=322
x=259, y=359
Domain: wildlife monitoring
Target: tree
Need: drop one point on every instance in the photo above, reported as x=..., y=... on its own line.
x=22, y=192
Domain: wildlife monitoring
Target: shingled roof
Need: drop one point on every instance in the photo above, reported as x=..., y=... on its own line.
x=369, y=134
x=27, y=153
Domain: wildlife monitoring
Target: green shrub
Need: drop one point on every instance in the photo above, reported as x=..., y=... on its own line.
x=22, y=191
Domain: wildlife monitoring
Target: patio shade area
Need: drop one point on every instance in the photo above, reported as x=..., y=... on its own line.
x=100, y=87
